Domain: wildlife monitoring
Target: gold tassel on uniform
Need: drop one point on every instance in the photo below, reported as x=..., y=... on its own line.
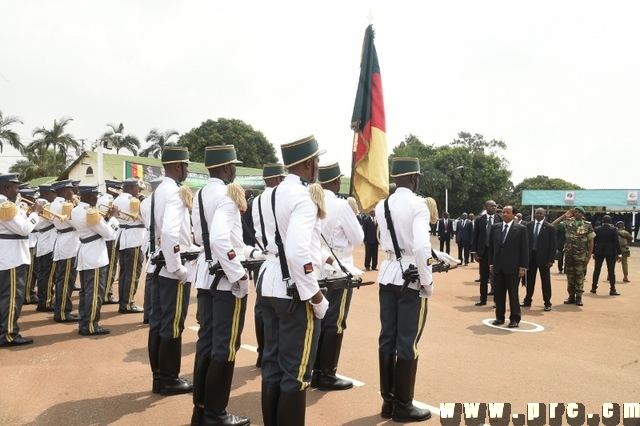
x=186, y=196
x=8, y=210
x=93, y=217
x=66, y=208
x=134, y=205
x=433, y=210
x=317, y=196
x=236, y=193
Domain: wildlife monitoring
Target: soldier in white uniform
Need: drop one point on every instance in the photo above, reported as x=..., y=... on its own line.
x=403, y=310
x=145, y=215
x=64, y=252
x=113, y=188
x=15, y=227
x=44, y=253
x=291, y=338
x=171, y=226
x=130, y=241
x=222, y=303
x=30, y=296
x=341, y=231
x=92, y=230
x=272, y=174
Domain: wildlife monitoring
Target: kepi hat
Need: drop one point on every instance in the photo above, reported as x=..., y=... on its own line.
x=272, y=170
x=300, y=150
x=403, y=166
x=220, y=155
x=329, y=172
x=175, y=154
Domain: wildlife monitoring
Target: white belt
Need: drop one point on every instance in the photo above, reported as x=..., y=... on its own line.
x=271, y=257
x=341, y=253
x=392, y=256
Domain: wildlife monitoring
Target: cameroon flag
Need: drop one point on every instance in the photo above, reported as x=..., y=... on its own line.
x=370, y=166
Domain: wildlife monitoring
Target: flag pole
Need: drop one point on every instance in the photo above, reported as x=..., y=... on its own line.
x=354, y=148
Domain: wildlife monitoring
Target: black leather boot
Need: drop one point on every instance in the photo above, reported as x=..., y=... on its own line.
x=387, y=364
x=169, y=360
x=329, y=356
x=270, y=397
x=291, y=408
x=259, y=324
x=315, y=373
x=216, y=398
x=405, y=380
x=153, y=346
x=200, y=367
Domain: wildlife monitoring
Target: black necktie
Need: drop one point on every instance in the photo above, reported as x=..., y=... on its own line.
x=535, y=235
x=504, y=233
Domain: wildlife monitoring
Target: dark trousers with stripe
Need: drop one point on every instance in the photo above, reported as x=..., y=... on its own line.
x=335, y=320
x=30, y=295
x=12, y=287
x=46, y=280
x=403, y=315
x=290, y=343
x=148, y=285
x=221, y=324
x=112, y=251
x=169, y=303
x=131, y=261
x=66, y=275
x=92, y=287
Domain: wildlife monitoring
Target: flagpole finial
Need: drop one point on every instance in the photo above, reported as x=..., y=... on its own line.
x=370, y=17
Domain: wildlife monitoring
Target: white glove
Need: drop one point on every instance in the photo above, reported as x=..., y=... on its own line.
x=331, y=268
x=426, y=290
x=183, y=274
x=252, y=253
x=240, y=288
x=353, y=270
x=320, y=309
x=446, y=257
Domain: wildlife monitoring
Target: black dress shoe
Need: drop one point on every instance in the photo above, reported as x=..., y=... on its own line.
x=481, y=303
x=497, y=322
x=97, y=332
x=17, y=341
x=70, y=318
x=45, y=309
x=614, y=293
x=593, y=290
x=513, y=324
x=374, y=269
x=547, y=308
x=134, y=310
x=110, y=301
x=491, y=293
x=525, y=304
x=477, y=281
x=76, y=288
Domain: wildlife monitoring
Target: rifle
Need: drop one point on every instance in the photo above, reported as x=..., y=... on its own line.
x=326, y=285
x=218, y=273
x=160, y=262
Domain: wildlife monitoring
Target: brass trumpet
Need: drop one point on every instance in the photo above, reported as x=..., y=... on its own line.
x=46, y=213
x=122, y=215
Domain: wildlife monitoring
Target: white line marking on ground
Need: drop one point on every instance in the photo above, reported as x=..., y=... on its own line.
x=431, y=408
x=356, y=383
x=537, y=327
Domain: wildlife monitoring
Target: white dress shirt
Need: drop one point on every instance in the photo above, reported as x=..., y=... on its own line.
x=67, y=243
x=16, y=252
x=264, y=201
x=104, y=201
x=46, y=239
x=341, y=227
x=93, y=254
x=129, y=237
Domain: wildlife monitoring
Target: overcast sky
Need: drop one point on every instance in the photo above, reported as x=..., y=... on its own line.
x=558, y=81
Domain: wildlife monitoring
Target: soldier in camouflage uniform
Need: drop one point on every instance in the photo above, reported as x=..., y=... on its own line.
x=578, y=248
x=625, y=240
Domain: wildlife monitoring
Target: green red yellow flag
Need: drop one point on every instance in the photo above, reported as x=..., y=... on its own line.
x=370, y=167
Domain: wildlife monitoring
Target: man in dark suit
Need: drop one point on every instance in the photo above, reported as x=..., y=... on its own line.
x=607, y=247
x=480, y=246
x=543, y=244
x=464, y=235
x=445, y=232
x=508, y=260
x=370, y=228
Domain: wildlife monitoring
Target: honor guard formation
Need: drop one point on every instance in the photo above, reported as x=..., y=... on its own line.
x=296, y=243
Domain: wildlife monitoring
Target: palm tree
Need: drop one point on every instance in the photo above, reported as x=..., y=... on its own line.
x=9, y=136
x=117, y=137
x=158, y=142
x=57, y=138
x=38, y=163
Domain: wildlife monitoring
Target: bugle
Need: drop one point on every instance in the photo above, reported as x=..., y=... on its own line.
x=46, y=213
x=122, y=215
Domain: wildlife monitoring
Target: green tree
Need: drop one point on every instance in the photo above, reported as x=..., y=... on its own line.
x=7, y=135
x=115, y=135
x=157, y=141
x=57, y=138
x=541, y=182
x=252, y=147
x=39, y=163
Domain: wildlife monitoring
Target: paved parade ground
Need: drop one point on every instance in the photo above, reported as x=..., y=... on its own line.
x=588, y=355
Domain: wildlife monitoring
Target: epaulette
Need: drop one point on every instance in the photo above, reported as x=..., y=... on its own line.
x=8, y=210
x=186, y=196
x=66, y=208
x=134, y=205
x=317, y=196
x=93, y=217
x=236, y=193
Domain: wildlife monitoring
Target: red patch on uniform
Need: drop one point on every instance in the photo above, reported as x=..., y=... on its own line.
x=308, y=268
x=176, y=249
x=231, y=255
